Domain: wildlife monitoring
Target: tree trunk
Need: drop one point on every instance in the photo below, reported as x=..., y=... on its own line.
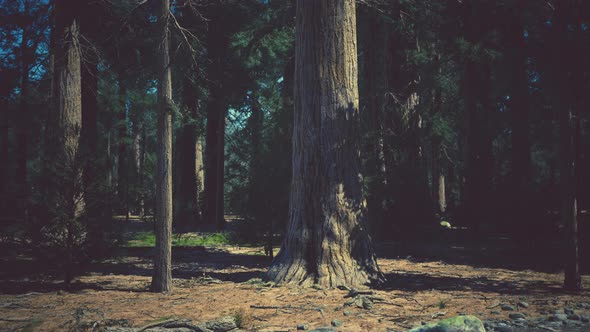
x=186, y=192
x=438, y=173
x=477, y=144
x=569, y=140
x=4, y=205
x=327, y=242
x=200, y=171
x=218, y=47
x=568, y=79
x=23, y=125
x=122, y=172
x=375, y=90
x=137, y=164
x=93, y=174
x=519, y=108
x=67, y=95
x=162, y=278
x=140, y=169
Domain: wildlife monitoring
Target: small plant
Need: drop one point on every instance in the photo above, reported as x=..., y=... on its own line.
x=442, y=303
x=254, y=281
x=242, y=319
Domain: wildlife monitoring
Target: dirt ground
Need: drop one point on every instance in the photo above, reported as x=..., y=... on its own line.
x=214, y=282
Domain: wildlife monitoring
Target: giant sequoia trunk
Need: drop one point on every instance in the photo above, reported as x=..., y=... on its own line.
x=162, y=277
x=327, y=240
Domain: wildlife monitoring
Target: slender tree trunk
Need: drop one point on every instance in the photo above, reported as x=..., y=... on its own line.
x=4, y=205
x=255, y=197
x=186, y=192
x=23, y=127
x=569, y=140
x=67, y=96
x=568, y=79
x=477, y=144
x=122, y=172
x=162, y=278
x=375, y=78
x=109, y=160
x=255, y=123
x=200, y=172
x=137, y=146
x=218, y=47
x=93, y=173
x=438, y=173
x=327, y=242
x=519, y=108
x=140, y=170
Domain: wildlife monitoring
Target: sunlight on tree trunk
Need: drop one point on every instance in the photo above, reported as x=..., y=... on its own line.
x=162, y=278
x=327, y=242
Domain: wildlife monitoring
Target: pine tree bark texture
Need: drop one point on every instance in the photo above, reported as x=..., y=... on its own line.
x=68, y=94
x=327, y=242
x=162, y=278
x=66, y=199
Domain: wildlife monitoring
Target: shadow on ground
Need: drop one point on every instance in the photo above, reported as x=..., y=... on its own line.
x=21, y=274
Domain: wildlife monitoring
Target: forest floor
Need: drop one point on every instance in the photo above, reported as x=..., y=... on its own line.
x=425, y=284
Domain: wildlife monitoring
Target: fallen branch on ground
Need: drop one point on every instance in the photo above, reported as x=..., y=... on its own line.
x=15, y=320
x=159, y=324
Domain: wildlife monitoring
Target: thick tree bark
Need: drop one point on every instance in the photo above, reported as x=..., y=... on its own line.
x=162, y=278
x=218, y=48
x=327, y=242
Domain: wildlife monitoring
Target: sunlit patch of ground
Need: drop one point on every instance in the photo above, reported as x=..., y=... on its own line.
x=416, y=292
